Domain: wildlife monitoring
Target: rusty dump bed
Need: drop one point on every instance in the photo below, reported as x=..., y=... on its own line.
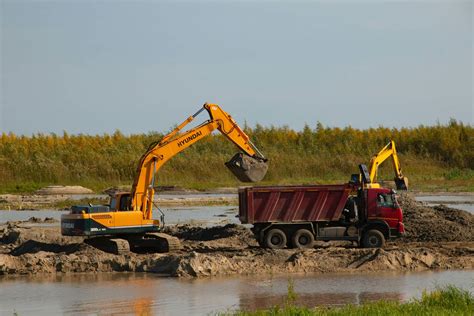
x=292, y=203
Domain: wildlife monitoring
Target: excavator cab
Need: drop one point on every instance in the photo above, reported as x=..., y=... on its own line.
x=247, y=168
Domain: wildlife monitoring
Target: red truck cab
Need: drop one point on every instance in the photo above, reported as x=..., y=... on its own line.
x=383, y=205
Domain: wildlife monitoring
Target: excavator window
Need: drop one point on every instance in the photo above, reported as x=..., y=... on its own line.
x=125, y=202
x=113, y=203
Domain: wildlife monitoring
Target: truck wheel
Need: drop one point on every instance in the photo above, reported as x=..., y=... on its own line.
x=275, y=239
x=373, y=239
x=303, y=238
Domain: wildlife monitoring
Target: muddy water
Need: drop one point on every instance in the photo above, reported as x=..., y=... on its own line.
x=150, y=294
x=460, y=202
x=208, y=215
x=468, y=198
x=160, y=196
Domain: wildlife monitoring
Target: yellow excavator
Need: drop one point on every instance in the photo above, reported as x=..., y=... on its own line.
x=127, y=222
x=370, y=175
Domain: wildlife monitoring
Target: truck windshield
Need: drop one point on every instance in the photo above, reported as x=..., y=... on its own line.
x=386, y=200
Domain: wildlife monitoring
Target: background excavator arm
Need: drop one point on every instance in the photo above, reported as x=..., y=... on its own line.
x=389, y=151
x=160, y=152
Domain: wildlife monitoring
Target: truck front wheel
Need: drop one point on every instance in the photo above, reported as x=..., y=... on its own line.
x=373, y=239
x=303, y=238
x=275, y=239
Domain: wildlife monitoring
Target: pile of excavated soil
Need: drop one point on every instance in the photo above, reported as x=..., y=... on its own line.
x=63, y=189
x=439, y=223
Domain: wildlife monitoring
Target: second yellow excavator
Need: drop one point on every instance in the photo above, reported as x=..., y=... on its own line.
x=126, y=223
x=389, y=151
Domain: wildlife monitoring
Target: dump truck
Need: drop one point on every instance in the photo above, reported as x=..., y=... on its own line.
x=296, y=216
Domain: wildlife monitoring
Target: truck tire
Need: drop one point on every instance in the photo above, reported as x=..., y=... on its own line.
x=275, y=239
x=373, y=239
x=303, y=238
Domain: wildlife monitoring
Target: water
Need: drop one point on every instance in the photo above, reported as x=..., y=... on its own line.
x=465, y=207
x=460, y=202
x=208, y=215
x=469, y=199
x=87, y=294
x=160, y=195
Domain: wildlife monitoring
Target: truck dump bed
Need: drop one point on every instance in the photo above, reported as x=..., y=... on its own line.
x=289, y=204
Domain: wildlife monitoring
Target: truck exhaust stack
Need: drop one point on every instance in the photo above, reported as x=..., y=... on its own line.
x=246, y=168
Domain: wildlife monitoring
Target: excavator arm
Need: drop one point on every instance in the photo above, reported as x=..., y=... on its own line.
x=389, y=151
x=248, y=167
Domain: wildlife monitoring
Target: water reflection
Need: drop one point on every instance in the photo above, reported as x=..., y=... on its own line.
x=146, y=294
x=262, y=301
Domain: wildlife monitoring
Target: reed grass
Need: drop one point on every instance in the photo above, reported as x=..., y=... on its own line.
x=433, y=157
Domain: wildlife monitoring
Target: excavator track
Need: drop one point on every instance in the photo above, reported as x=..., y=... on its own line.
x=172, y=243
x=154, y=242
x=117, y=246
x=164, y=242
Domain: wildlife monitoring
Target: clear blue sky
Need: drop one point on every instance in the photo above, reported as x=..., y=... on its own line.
x=97, y=66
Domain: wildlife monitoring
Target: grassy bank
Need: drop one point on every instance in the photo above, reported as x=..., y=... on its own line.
x=436, y=157
x=446, y=301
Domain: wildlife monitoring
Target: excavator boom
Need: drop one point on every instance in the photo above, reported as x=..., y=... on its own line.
x=249, y=166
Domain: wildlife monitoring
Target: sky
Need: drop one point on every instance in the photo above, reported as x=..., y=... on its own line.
x=95, y=66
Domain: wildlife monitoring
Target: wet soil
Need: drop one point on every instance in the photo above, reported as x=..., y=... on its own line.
x=435, y=224
x=437, y=238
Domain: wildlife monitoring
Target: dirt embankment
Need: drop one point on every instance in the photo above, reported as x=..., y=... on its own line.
x=435, y=224
x=437, y=238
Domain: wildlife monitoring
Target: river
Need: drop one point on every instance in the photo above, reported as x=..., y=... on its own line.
x=135, y=293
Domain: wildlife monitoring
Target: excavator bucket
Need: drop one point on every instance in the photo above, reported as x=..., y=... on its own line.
x=246, y=168
x=401, y=183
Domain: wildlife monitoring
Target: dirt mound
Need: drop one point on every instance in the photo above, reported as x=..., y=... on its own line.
x=33, y=246
x=230, y=237
x=63, y=189
x=34, y=219
x=440, y=223
x=189, y=232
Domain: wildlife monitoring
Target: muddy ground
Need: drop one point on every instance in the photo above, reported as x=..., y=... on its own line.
x=437, y=238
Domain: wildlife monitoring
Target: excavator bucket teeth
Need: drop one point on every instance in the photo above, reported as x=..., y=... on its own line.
x=247, y=168
x=401, y=184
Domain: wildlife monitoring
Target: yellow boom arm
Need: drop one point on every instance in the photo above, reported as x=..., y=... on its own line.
x=388, y=151
x=160, y=152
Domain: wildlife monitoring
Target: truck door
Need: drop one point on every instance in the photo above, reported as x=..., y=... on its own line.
x=387, y=208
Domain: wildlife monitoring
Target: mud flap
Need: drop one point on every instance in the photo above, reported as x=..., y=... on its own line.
x=246, y=168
